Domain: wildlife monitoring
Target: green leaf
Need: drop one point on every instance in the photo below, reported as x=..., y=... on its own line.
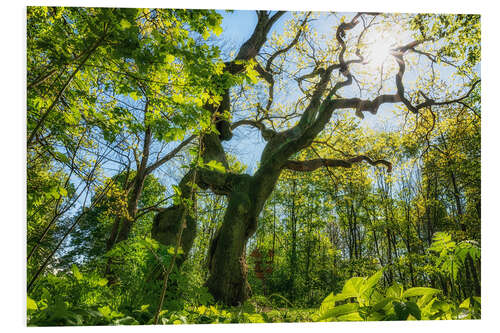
x=177, y=190
x=375, y=316
x=252, y=75
x=144, y=308
x=102, y=282
x=216, y=165
x=420, y=291
x=217, y=30
x=62, y=157
x=339, y=311
x=126, y=321
x=255, y=318
x=442, y=243
x=31, y=304
x=169, y=58
x=171, y=250
x=105, y=311
x=352, y=287
x=329, y=301
x=371, y=282
x=424, y=300
x=440, y=305
x=162, y=312
x=465, y=304
x=206, y=34
x=354, y=316
x=108, y=313
x=177, y=98
x=382, y=304
x=124, y=24
x=76, y=272
x=395, y=291
x=54, y=192
x=134, y=95
x=414, y=310
x=401, y=310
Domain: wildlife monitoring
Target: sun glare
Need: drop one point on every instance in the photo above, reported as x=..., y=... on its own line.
x=379, y=51
x=380, y=43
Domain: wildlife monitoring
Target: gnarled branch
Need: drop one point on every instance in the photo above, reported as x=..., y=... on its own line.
x=267, y=133
x=311, y=165
x=220, y=183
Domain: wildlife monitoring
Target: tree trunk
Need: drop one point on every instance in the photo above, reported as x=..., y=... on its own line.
x=227, y=256
x=293, y=257
x=167, y=223
x=247, y=194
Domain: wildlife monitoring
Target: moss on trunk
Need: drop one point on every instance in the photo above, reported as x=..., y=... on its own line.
x=166, y=228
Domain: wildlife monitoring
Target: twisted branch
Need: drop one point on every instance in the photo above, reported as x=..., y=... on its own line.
x=311, y=165
x=267, y=133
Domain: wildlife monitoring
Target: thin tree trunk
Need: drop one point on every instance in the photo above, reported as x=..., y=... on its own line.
x=293, y=259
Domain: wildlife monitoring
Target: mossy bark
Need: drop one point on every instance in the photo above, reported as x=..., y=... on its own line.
x=166, y=228
x=227, y=281
x=227, y=261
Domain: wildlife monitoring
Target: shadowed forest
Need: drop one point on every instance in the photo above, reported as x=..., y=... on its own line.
x=203, y=166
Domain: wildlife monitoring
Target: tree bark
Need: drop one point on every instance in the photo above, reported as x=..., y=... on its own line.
x=227, y=256
x=227, y=281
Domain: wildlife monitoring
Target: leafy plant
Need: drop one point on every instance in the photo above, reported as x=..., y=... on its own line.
x=452, y=256
x=360, y=300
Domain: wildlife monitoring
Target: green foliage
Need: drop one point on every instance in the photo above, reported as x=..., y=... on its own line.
x=71, y=299
x=452, y=256
x=60, y=314
x=460, y=34
x=88, y=241
x=360, y=299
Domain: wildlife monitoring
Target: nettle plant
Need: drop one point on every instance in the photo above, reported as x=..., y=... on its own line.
x=360, y=300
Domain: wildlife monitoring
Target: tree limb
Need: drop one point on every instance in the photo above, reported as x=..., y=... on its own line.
x=311, y=165
x=169, y=156
x=267, y=134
